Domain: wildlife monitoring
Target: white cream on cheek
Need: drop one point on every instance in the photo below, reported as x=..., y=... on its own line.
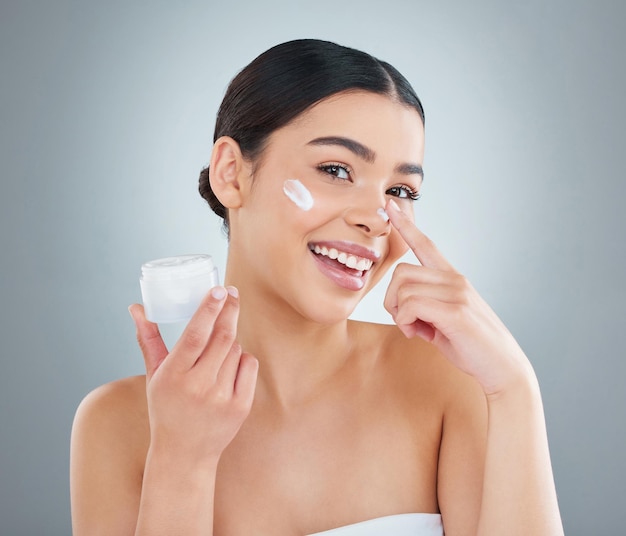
x=298, y=194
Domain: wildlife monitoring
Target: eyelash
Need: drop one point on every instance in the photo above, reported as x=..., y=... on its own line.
x=410, y=192
x=333, y=168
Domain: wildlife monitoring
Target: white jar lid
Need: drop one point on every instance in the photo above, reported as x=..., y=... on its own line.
x=179, y=267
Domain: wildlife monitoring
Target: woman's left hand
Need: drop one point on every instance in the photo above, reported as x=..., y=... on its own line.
x=435, y=302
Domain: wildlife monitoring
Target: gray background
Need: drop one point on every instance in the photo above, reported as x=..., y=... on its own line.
x=106, y=117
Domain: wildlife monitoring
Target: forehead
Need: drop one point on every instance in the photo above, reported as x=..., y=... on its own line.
x=377, y=121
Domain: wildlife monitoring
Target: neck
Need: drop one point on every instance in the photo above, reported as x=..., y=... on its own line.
x=296, y=355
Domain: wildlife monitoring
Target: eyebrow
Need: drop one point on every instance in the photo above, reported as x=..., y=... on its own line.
x=365, y=153
x=410, y=169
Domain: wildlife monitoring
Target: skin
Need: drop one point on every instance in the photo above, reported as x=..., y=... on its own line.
x=274, y=414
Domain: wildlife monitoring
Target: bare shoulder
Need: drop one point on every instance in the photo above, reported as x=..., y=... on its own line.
x=112, y=422
x=437, y=390
x=116, y=395
x=460, y=402
x=419, y=365
x=118, y=406
x=110, y=438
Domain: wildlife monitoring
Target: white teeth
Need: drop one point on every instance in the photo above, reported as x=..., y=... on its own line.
x=363, y=264
x=351, y=261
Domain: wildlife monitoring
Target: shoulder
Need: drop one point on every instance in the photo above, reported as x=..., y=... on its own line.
x=121, y=403
x=112, y=414
x=121, y=391
x=110, y=439
x=456, y=400
x=418, y=364
x=429, y=384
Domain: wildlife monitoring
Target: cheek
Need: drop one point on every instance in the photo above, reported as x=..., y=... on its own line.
x=397, y=246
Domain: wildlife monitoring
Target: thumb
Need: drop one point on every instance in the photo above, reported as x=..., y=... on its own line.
x=149, y=338
x=421, y=329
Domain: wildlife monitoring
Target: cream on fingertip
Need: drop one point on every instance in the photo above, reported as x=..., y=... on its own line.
x=383, y=214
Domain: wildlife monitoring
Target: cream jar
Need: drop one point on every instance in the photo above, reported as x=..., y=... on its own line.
x=173, y=287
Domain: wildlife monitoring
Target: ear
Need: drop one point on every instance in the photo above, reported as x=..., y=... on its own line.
x=228, y=172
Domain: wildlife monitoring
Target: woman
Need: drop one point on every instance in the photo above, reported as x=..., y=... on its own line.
x=274, y=413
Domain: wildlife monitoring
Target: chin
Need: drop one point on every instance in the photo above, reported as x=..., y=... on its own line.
x=330, y=311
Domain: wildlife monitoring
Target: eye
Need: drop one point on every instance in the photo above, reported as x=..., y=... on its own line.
x=404, y=192
x=337, y=171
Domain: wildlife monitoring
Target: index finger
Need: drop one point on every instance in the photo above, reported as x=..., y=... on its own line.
x=422, y=246
x=197, y=333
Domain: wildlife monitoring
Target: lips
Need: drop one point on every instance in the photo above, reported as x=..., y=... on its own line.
x=345, y=263
x=347, y=259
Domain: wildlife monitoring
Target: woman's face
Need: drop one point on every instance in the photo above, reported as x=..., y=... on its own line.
x=351, y=152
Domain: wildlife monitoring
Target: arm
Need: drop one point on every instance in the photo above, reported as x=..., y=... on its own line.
x=176, y=497
x=461, y=466
x=196, y=399
x=518, y=489
x=518, y=496
x=494, y=464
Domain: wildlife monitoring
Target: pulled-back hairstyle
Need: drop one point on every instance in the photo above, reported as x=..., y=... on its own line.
x=286, y=80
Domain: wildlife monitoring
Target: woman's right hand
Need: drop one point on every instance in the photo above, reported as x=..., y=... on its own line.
x=200, y=393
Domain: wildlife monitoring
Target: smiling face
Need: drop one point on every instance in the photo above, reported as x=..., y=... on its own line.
x=352, y=152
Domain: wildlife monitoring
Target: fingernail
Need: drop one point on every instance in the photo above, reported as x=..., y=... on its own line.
x=219, y=293
x=130, y=312
x=233, y=291
x=394, y=205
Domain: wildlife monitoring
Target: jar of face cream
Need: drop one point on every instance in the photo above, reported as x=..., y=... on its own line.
x=172, y=288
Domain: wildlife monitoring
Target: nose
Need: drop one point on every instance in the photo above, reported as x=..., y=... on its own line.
x=370, y=218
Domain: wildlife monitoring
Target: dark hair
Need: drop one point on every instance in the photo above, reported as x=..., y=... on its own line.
x=285, y=81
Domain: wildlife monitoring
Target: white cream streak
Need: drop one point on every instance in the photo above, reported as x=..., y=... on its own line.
x=383, y=214
x=298, y=193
